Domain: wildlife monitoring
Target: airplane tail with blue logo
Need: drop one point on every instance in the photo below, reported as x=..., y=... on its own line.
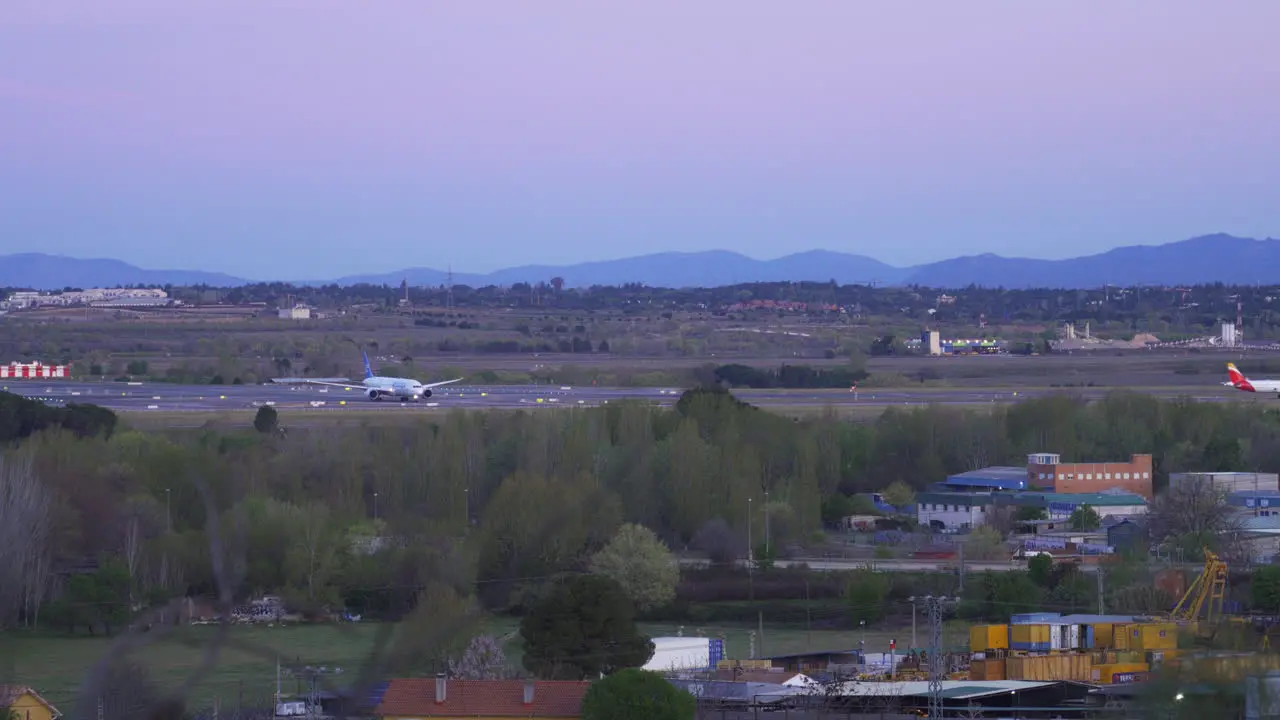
x=368, y=369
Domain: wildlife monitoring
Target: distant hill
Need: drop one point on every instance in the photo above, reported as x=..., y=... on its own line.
x=1207, y=259
x=54, y=272
x=670, y=269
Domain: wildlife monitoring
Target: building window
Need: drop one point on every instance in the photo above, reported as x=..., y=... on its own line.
x=1146, y=476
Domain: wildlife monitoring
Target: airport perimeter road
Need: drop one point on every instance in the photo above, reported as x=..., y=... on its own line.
x=901, y=565
x=141, y=396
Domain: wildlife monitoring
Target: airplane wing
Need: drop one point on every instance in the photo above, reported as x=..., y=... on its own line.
x=442, y=382
x=335, y=382
x=328, y=383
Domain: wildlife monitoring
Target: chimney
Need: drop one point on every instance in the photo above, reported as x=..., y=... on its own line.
x=442, y=688
x=528, y=692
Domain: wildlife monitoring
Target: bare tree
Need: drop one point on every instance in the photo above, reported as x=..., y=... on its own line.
x=1195, y=515
x=25, y=508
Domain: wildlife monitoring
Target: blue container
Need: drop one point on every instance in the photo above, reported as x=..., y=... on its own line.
x=716, y=651
x=1034, y=618
x=1089, y=641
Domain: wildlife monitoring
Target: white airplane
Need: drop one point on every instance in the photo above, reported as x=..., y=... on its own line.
x=1240, y=382
x=378, y=387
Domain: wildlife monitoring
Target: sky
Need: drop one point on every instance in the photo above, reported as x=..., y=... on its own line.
x=320, y=138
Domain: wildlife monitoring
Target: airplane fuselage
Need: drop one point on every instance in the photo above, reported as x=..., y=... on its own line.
x=1260, y=386
x=1244, y=384
x=405, y=389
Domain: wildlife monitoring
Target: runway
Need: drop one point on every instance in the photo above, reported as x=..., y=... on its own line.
x=154, y=396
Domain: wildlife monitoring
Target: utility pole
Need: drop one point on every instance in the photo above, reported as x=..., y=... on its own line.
x=751, y=578
x=1101, y=596
x=760, y=619
x=933, y=605
x=960, y=590
x=912, y=600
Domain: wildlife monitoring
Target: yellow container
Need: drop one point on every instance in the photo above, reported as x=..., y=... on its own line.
x=1120, y=636
x=1104, y=636
x=988, y=637
x=1023, y=637
x=1106, y=674
x=1051, y=668
x=1152, y=636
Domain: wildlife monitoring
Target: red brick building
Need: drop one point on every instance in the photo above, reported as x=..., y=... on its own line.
x=1046, y=470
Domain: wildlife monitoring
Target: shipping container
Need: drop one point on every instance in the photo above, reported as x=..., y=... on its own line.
x=988, y=637
x=1103, y=635
x=987, y=670
x=1050, y=668
x=1151, y=636
x=1034, y=618
x=1034, y=638
x=1065, y=637
x=1106, y=674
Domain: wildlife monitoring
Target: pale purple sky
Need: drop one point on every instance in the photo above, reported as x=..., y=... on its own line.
x=316, y=138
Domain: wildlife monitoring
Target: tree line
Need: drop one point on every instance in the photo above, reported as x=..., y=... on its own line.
x=494, y=505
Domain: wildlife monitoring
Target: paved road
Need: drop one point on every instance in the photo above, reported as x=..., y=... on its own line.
x=208, y=398
x=902, y=565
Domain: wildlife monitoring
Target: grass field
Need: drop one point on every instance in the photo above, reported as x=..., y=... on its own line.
x=56, y=665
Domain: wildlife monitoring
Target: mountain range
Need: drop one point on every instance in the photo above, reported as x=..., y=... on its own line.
x=1206, y=259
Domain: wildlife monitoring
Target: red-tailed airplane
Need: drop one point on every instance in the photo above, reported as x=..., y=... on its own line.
x=1240, y=382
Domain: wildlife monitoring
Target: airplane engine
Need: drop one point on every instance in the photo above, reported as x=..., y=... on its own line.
x=426, y=393
x=373, y=395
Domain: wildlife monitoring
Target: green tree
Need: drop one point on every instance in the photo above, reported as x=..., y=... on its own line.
x=583, y=627
x=899, y=494
x=641, y=564
x=266, y=420
x=1040, y=569
x=1029, y=513
x=1085, y=518
x=437, y=632
x=633, y=694
x=985, y=543
x=1266, y=589
x=867, y=592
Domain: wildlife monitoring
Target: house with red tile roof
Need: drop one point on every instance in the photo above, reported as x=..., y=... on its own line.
x=441, y=697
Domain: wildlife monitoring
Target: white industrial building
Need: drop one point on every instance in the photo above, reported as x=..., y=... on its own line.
x=123, y=297
x=297, y=312
x=1228, y=482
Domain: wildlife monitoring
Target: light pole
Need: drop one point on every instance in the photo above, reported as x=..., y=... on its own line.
x=375, y=504
x=168, y=511
x=765, y=508
x=750, y=549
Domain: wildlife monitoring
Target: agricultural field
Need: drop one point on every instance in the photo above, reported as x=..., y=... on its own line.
x=503, y=346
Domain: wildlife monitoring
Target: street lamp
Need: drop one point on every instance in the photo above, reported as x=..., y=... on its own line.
x=375, y=504
x=750, y=550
